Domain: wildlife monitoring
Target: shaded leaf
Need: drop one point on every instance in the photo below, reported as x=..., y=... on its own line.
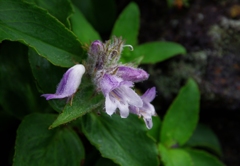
x=174, y=157
x=181, y=118
x=101, y=14
x=202, y=158
x=204, y=137
x=18, y=94
x=36, y=145
x=37, y=29
x=61, y=9
x=122, y=140
x=82, y=28
x=127, y=24
x=154, y=52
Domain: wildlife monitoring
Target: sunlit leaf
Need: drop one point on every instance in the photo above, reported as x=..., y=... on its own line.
x=181, y=118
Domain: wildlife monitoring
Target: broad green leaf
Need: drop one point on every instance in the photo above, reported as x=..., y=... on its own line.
x=18, y=94
x=181, y=118
x=154, y=132
x=174, y=157
x=127, y=24
x=84, y=101
x=205, y=138
x=154, y=52
x=122, y=140
x=36, y=145
x=202, y=158
x=33, y=26
x=82, y=28
x=61, y=9
x=100, y=14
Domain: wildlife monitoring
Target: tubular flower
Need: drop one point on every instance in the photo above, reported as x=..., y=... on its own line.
x=147, y=110
x=68, y=84
x=118, y=94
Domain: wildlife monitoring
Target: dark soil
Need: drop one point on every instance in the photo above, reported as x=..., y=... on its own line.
x=210, y=31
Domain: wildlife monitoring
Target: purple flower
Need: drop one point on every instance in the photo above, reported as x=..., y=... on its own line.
x=147, y=110
x=68, y=84
x=118, y=94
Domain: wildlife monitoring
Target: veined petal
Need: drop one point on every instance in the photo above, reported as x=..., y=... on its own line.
x=148, y=122
x=124, y=111
x=131, y=74
x=149, y=95
x=69, y=83
x=108, y=83
x=131, y=96
x=110, y=105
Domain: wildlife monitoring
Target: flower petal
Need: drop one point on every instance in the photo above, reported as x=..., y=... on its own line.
x=124, y=111
x=131, y=74
x=149, y=95
x=131, y=96
x=148, y=122
x=110, y=106
x=69, y=83
x=108, y=83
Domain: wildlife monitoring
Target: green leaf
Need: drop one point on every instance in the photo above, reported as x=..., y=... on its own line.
x=84, y=101
x=39, y=30
x=154, y=132
x=204, y=137
x=154, y=52
x=18, y=94
x=105, y=162
x=174, y=157
x=127, y=24
x=36, y=145
x=82, y=28
x=61, y=9
x=101, y=14
x=181, y=118
x=201, y=158
x=122, y=140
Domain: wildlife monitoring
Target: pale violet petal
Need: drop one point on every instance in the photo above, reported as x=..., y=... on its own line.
x=128, y=73
x=110, y=106
x=108, y=83
x=149, y=95
x=131, y=96
x=124, y=110
x=148, y=122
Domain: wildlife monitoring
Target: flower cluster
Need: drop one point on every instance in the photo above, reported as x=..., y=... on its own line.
x=113, y=79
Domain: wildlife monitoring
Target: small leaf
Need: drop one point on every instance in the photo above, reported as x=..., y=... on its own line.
x=39, y=30
x=204, y=137
x=201, y=158
x=82, y=28
x=61, y=9
x=174, y=157
x=154, y=132
x=36, y=145
x=182, y=116
x=154, y=52
x=127, y=24
x=122, y=140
